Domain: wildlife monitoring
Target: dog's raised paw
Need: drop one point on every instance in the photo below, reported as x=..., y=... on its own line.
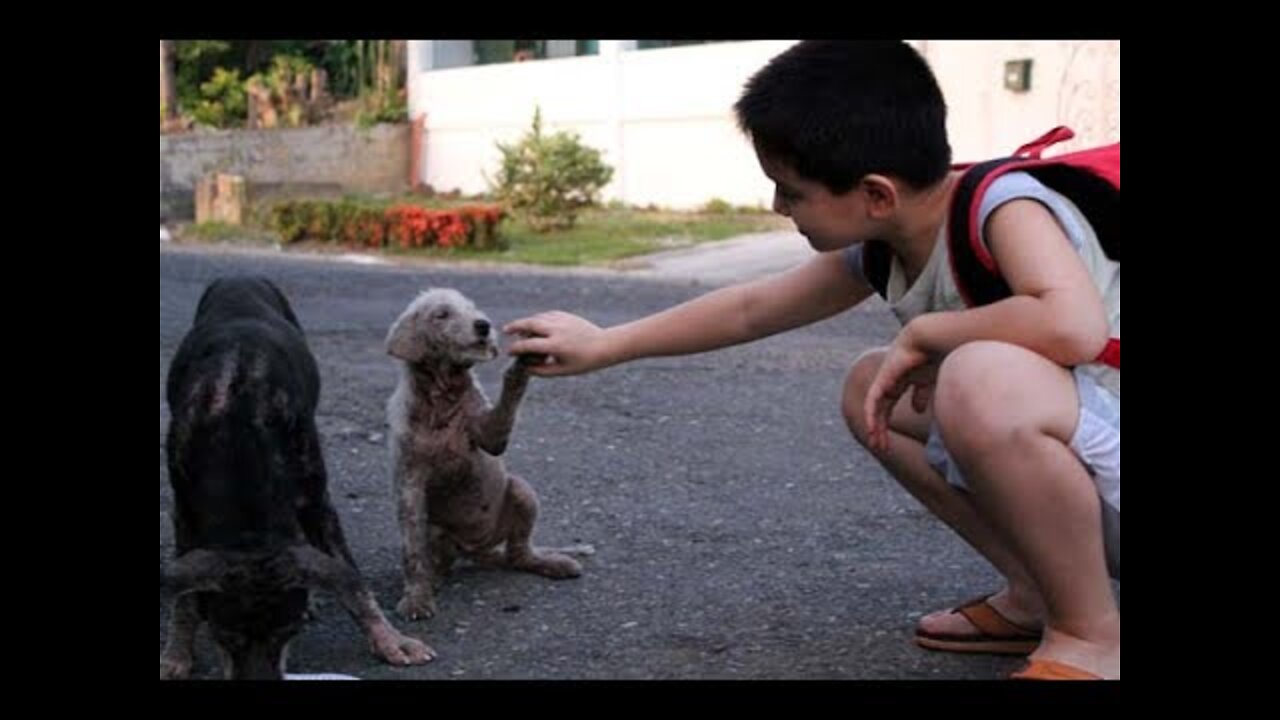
x=529, y=359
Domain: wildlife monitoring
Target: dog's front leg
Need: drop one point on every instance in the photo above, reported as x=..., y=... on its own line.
x=418, y=601
x=179, y=651
x=345, y=580
x=328, y=561
x=492, y=428
x=335, y=575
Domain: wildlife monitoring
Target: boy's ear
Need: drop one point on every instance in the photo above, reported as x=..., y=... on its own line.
x=881, y=194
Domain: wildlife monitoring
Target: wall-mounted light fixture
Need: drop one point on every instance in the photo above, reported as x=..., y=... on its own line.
x=1017, y=75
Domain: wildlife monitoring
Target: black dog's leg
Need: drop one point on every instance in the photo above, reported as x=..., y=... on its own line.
x=323, y=529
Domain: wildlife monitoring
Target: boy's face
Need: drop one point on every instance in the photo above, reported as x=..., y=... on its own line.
x=829, y=222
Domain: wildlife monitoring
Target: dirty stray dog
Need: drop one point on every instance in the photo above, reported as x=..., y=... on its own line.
x=455, y=495
x=252, y=519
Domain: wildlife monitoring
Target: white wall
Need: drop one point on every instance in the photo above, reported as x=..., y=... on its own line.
x=1074, y=83
x=663, y=118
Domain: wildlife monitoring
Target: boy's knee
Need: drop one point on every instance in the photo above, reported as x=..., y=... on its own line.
x=970, y=393
x=856, y=385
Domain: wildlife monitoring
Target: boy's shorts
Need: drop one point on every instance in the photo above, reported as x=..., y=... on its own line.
x=1096, y=442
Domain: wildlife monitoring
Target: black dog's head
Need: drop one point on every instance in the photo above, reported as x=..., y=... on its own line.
x=254, y=603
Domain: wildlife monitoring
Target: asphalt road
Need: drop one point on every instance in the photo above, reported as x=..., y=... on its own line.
x=740, y=532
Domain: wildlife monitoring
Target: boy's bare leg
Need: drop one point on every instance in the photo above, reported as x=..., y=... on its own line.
x=905, y=459
x=1007, y=416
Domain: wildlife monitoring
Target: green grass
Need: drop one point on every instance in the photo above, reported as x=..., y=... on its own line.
x=219, y=232
x=602, y=236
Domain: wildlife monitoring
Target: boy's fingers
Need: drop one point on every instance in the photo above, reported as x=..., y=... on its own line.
x=872, y=411
x=536, y=325
x=539, y=345
x=546, y=369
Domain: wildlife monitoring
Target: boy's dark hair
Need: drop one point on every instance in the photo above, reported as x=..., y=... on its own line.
x=836, y=111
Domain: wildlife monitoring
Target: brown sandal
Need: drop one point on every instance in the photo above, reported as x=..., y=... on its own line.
x=996, y=634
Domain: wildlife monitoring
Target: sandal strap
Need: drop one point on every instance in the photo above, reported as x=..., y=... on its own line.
x=989, y=620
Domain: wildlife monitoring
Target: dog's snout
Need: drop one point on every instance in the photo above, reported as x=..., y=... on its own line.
x=482, y=328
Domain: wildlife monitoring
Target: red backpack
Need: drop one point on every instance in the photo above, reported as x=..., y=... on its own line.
x=1090, y=178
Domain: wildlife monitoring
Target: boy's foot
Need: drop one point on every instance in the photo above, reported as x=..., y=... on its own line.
x=988, y=624
x=1063, y=657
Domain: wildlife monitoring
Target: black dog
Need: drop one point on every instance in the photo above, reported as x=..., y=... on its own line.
x=253, y=524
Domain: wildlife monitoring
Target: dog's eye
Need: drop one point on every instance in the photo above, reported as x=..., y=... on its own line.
x=442, y=314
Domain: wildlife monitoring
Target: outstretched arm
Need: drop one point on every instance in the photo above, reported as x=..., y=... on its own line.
x=729, y=316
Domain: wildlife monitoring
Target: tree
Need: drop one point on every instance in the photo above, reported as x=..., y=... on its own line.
x=168, y=83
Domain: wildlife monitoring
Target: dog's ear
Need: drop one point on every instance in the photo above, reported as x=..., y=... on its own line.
x=403, y=340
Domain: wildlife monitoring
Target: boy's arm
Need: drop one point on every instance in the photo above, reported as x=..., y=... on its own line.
x=740, y=313
x=1055, y=311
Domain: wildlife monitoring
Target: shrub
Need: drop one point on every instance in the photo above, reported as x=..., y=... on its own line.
x=547, y=179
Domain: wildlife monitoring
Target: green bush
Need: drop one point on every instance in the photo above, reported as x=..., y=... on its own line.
x=547, y=179
x=223, y=101
x=388, y=107
x=716, y=206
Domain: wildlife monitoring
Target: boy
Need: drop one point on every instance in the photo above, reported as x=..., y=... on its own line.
x=1011, y=431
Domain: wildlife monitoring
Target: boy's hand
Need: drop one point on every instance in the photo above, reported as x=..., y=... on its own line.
x=904, y=366
x=560, y=343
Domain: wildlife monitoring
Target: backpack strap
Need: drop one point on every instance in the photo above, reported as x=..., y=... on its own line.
x=877, y=260
x=972, y=265
x=1034, y=148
